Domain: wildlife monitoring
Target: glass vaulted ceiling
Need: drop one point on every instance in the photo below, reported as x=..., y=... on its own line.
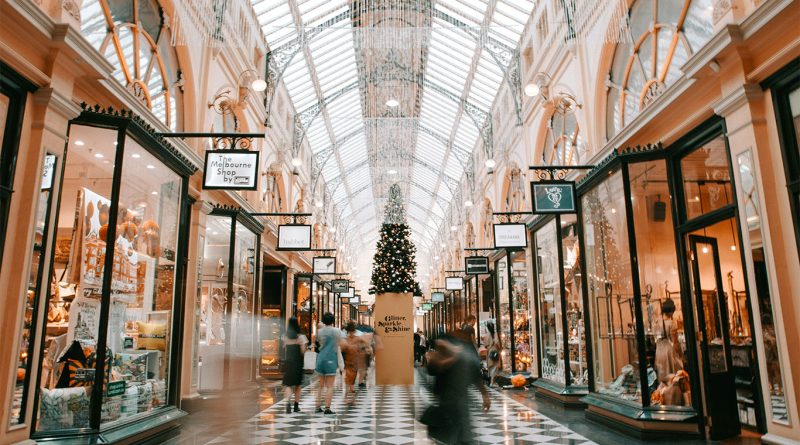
x=334, y=61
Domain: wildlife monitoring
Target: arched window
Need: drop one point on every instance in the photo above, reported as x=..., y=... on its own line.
x=133, y=37
x=563, y=144
x=664, y=35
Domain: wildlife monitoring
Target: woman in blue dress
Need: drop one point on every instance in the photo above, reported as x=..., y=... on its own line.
x=329, y=339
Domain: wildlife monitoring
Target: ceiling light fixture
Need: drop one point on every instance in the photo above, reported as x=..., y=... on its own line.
x=297, y=162
x=392, y=103
x=79, y=143
x=136, y=156
x=392, y=172
x=151, y=166
x=468, y=203
x=98, y=155
x=318, y=204
x=332, y=229
x=153, y=193
x=453, y=228
x=490, y=163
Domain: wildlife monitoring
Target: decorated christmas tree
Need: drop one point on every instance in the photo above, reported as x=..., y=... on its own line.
x=394, y=267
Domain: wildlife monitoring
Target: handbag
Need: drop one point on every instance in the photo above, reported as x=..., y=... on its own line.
x=310, y=360
x=440, y=424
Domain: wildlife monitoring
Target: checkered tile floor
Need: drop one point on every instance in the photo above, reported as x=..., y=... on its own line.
x=388, y=415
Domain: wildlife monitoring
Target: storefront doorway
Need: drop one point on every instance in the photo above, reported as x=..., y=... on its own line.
x=715, y=287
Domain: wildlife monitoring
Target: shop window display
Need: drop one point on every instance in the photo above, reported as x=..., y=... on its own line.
x=504, y=312
x=108, y=338
x=303, y=305
x=752, y=212
x=608, y=275
x=662, y=308
x=551, y=330
x=226, y=343
x=706, y=179
x=573, y=309
x=35, y=287
x=523, y=339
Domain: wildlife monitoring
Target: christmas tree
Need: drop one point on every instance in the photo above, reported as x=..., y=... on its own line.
x=394, y=267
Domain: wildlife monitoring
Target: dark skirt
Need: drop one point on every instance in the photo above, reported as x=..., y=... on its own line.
x=293, y=366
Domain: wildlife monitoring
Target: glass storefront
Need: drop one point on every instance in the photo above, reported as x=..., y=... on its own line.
x=520, y=302
x=559, y=295
x=503, y=311
x=41, y=244
x=227, y=348
x=109, y=337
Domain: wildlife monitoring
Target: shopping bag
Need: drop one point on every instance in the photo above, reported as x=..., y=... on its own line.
x=440, y=424
x=310, y=360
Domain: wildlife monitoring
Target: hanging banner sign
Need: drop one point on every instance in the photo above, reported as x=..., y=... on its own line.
x=324, y=265
x=511, y=235
x=47, y=171
x=363, y=308
x=344, y=300
x=453, y=283
x=427, y=306
x=476, y=265
x=553, y=197
x=355, y=300
x=437, y=297
x=340, y=287
x=294, y=237
x=231, y=170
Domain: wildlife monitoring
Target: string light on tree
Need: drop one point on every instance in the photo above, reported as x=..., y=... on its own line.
x=394, y=251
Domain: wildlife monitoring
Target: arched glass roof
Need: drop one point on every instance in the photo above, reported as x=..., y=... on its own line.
x=443, y=61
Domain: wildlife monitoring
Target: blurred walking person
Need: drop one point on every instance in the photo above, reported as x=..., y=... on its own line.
x=295, y=345
x=493, y=346
x=456, y=366
x=327, y=361
x=355, y=357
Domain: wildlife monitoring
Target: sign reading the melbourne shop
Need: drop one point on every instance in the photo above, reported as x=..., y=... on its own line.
x=231, y=170
x=394, y=325
x=510, y=235
x=294, y=237
x=453, y=283
x=340, y=287
x=553, y=196
x=476, y=265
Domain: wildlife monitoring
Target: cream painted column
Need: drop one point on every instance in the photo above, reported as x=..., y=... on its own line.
x=191, y=301
x=743, y=108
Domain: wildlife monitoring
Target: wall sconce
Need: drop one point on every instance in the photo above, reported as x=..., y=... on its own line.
x=563, y=102
x=249, y=80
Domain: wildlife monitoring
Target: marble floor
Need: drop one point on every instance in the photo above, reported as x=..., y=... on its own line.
x=385, y=415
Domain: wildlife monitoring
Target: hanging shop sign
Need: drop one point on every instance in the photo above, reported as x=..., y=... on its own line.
x=363, y=308
x=453, y=283
x=355, y=300
x=231, y=170
x=324, y=265
x=476, y=265
x=427, y=306
x=513, y=235
x=47, y=171
x=294, y=237
x=340, y=287
x=344, y=300
x=553, y=196
x=437, y=297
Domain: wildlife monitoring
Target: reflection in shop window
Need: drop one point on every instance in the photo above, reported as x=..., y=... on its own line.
x=662, y=312
x=608, y=275
x=664, y=35
x=752, y=213
x=551, y=330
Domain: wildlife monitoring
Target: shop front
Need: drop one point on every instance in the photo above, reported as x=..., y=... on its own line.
x=106, y=316
x=229, y=303
x=667, y=301
x=561, y=335
x=513, y=311
x=273, y=310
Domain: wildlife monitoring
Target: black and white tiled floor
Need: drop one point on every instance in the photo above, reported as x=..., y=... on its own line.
x=388, y=415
